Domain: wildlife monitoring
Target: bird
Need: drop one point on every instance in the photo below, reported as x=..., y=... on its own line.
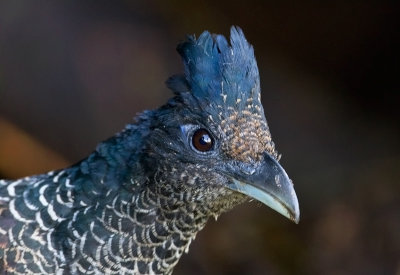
x=136, y=203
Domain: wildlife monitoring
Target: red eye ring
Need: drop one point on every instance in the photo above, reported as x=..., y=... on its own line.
x=202, y=140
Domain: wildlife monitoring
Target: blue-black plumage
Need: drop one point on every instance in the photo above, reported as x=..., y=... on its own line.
x=137, y=202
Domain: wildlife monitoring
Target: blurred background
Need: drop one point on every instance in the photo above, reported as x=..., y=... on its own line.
x=72, y=73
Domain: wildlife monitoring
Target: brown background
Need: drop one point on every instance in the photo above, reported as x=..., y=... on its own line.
x=72, y=73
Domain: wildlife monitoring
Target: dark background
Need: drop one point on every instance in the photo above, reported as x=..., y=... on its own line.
x=73, y=73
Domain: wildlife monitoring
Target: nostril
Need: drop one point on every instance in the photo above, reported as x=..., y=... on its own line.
x=248, y=170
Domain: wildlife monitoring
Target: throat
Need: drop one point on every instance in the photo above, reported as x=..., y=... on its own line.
x=166, y=228
x=145, y=234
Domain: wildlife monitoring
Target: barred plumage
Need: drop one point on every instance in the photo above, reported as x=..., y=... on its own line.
x=136, y=203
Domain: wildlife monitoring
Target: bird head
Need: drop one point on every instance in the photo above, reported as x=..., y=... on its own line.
x=210, y=146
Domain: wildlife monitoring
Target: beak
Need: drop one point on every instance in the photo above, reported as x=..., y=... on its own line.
x=269, y=184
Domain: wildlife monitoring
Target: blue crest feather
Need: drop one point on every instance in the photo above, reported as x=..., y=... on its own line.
x=216, y=72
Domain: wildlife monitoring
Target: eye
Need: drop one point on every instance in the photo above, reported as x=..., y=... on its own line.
x=202, y=140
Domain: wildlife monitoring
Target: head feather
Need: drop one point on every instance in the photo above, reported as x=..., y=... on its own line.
x=223, y=80
x=216, y=72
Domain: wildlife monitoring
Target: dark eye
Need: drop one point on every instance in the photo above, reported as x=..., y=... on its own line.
x=202, y=140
